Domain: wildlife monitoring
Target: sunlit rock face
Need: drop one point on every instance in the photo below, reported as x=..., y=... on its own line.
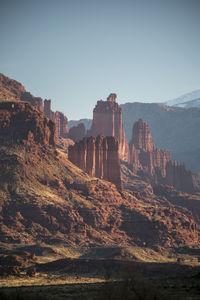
x=107, y=120
x=156, y=164
x=12, y=90
x=98, y=157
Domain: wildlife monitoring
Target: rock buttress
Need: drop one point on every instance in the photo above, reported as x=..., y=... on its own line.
x=156, y=164
x=22, y=123
x=60, y=120
x=107, y=120
x=98, y=157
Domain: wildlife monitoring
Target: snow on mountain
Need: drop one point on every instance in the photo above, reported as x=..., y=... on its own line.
x=188, y=100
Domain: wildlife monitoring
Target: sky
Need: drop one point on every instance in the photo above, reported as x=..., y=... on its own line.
x=76, y=52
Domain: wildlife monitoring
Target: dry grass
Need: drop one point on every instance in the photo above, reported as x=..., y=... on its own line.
x=44, y=279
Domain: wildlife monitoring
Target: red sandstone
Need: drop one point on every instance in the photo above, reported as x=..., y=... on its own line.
x=155, y=164
x=107, y=120
x=98, y=158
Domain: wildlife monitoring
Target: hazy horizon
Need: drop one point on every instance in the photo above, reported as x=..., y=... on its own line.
x=77, y=52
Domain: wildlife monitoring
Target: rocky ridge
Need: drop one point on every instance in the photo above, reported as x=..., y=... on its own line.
x=46, y=198
x=155, y=165
x=172, y=128
x=12, y=90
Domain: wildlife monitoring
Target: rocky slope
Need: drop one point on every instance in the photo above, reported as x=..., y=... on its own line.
x=173, y=128
x=44, y=197
x=13, y=90
x=155, y=165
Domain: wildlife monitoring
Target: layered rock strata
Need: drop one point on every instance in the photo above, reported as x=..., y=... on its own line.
x=47, y=199
x=12, y=90
x=107, y=120
x=156, y=164
x=20, y=123
x=98, y=157
x=60, y=120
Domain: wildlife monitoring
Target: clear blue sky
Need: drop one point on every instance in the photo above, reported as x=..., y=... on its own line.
x=76, y=52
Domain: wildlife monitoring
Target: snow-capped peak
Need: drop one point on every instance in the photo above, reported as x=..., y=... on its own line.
x=181, y=101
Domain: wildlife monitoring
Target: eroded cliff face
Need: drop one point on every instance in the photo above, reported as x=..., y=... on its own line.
x=21, y=123
x=107, y=120
x=12, y=90
x=60, y=120
x=156, y=164
x=173, y=128
x=98, y=157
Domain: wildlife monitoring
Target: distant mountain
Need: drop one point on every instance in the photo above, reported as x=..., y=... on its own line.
x=86, y=122
x=188, y=100
x=173, y=128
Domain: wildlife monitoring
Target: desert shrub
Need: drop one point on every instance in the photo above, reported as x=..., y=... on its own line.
x=132, y=287
x=18, y=295
x=11, y=296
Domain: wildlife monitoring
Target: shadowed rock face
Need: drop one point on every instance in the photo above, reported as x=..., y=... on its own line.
x=77, y=133
x=107, y=120
x=60, y=120
x=156, y=164
x=21, y=123
x=12, y=90
x=173, y=128
x=98, y=158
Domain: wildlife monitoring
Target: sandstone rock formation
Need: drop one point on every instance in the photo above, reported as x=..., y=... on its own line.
x=60, y=120
x=77, y=133
x=21, y=123
x=11, y=90
x=63, y=144
x=155, y=164
x=173, y=128
x=107, y=120
x=46, y=199
x=98, y=158
x=61, y=123
x=47, y=109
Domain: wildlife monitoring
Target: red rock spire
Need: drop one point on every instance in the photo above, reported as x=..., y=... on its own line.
x=107, y=120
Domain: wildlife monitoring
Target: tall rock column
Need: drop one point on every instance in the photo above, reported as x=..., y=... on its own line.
x=107, y=120
x=113, y=163
x=47, y=108
x=98, y=158
x=60, y=120
x=155, y=165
